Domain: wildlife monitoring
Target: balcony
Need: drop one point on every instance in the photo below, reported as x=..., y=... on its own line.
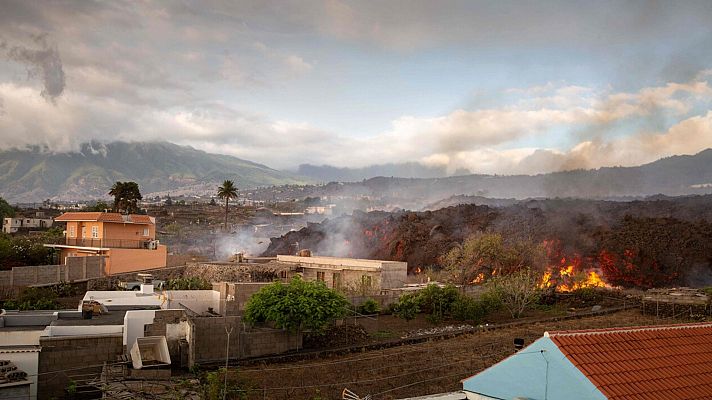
x=105, y=243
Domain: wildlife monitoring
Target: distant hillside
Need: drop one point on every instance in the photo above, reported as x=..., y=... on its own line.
x=672, y=176
x=37, y=174
x=327, y=173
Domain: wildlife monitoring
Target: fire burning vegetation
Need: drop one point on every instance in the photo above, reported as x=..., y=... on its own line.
x=574, y=243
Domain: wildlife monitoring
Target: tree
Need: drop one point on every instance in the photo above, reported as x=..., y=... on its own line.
x=517, y=291
x=483, y=256
x=6, y=209
x=100, y=206
x=126, y=197
x=296, y=306
x=227, y=191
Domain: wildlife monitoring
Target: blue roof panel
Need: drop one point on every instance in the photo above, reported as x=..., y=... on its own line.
x=538, y=372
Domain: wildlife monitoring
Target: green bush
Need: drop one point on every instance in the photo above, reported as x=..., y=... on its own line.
x=437, y=301
x=370, y=306
x=192, y=283
x=34, y=299
x=466, y=308
x=407, y=307
x=298, y=305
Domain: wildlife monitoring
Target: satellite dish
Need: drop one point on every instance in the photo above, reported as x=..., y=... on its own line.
x=349, y=395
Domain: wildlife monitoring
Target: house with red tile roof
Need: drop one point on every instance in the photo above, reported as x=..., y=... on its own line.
x=665, y=362
x=128, y=242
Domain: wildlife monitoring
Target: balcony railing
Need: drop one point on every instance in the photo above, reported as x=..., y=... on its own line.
x=105, y=243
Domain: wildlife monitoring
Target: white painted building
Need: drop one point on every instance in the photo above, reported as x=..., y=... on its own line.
x=13, y=225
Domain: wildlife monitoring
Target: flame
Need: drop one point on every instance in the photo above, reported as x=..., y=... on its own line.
x=478, y=279
x=545, y=281
x=418, y=270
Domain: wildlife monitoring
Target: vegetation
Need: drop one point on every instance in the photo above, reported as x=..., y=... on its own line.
x=227, y=191
x=483, y=256
x=446, y=302
x=126, y=197
x=296, y=306
x=192, y=283
x=407, y=307
x=99, y=206
x=213, y=385
x=370, y=306
x=6, y=209
x=517, y=291
x=17, y=251
x=33, y=299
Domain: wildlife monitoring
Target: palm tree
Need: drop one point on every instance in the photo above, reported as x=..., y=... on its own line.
x=227, y=191
x=126, y=196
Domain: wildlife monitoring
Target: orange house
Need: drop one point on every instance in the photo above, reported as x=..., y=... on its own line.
x=128, y=241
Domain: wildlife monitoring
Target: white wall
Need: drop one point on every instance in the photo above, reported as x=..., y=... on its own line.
x=134, y=322
x=26, y=360
x=86, y=330
x=197, y=300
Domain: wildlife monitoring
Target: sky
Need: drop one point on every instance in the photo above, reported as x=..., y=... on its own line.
x=494, y=87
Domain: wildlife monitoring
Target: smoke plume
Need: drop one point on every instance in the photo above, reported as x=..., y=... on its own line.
x=44, y=63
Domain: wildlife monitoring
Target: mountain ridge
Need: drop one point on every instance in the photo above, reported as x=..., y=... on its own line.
x=35, y=173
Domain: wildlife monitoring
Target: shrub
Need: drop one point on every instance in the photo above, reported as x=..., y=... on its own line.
x=407, y=307
x=34, y=299
x=192, y=283
x=437, y=301
x=466, y=308
x=298, y=305
x=370, y=306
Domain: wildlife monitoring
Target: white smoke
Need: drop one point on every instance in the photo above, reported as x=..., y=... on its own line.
x=242, y=242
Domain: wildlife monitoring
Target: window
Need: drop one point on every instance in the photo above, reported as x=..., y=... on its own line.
x=320, y=276
x=145, y=231
x=283, y=274
x=366, y=280
x=72, y=231
x=94, y=232
x=336, y=280
x=84, y=232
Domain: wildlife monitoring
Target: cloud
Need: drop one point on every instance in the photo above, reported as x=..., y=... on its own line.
x=43, y=62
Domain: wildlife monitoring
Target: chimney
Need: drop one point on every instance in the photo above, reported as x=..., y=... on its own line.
x=146, y=283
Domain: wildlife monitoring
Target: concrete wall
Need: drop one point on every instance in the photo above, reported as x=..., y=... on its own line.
x=260, y=342
x=240, y=292
x=77, y=268
x=130, y=260
x=77, y=357
x=173, y=325
x=207, y=340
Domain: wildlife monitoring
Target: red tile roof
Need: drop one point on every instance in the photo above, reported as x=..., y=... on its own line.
x=658, y=362
x=104, y=217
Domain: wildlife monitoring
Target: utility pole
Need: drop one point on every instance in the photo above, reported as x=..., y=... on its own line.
x=227, y=357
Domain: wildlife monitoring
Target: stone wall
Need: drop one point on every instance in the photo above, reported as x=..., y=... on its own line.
x=64, y=358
